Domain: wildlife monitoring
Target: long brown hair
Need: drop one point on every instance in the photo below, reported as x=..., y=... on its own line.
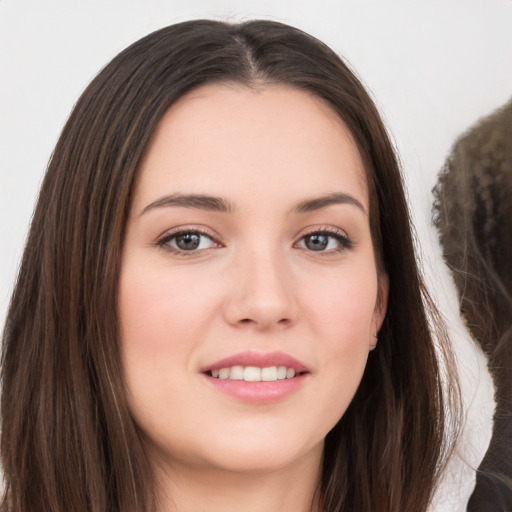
x=68, y=440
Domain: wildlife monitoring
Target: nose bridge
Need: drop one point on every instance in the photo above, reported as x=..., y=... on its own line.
x=262, y=292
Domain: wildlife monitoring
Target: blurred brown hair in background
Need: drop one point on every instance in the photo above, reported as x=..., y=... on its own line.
x=473, y=213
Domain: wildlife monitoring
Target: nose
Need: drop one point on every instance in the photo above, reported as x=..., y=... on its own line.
x=261, y=292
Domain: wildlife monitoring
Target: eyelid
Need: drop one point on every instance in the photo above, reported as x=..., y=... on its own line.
x=323, y=228
x=163, y=239
x=341, y=235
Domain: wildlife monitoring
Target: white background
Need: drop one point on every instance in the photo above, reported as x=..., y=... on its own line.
x=433, y=67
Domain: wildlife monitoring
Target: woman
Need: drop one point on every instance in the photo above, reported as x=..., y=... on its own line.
x=220, y=241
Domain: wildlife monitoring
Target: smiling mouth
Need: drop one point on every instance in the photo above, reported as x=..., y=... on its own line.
x=255, y=373
x=257, y=378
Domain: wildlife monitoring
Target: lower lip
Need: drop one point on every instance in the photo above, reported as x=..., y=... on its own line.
x=258, y=392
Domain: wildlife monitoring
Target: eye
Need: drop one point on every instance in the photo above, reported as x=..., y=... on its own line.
x=187, y=241
x=325, y=241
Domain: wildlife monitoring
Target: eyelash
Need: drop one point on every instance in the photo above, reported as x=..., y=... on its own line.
x=165, y=240
x=345, y=243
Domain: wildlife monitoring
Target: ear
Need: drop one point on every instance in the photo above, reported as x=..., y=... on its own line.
x=379, y=313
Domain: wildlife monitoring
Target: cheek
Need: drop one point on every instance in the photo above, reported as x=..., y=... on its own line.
x=159, y=333
x=342, y=307
x=158, y=310
x=342, y=319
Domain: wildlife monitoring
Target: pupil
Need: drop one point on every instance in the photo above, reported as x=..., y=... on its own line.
x=188, y=242
x=316, y=242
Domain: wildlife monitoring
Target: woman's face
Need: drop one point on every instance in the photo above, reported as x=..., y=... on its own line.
x=248, y=288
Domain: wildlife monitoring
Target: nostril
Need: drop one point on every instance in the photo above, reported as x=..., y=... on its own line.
x=283, y=321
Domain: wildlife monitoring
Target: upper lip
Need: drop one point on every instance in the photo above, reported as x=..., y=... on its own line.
x=262, y=360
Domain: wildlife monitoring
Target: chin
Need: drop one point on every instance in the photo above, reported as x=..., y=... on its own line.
x=264, y=454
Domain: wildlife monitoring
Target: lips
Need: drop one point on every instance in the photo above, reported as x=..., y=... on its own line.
x=257, y=378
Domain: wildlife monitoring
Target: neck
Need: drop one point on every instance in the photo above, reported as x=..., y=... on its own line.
x=187, y=488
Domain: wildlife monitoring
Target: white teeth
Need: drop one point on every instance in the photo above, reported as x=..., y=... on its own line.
x=236, y=373
x=224, y=373
x=269, y=374
x=281, y=372
x=254, y=373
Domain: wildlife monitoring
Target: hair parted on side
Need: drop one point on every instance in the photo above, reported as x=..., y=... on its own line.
x=68, y=440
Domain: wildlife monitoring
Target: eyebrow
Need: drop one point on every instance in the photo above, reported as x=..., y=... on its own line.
x=318, y=203
x=203, y=202
x=219, y=204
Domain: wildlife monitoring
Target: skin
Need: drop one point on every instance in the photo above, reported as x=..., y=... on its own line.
x=253, y=283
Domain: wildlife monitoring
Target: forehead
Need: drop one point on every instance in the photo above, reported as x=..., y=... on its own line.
x=229, y=138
